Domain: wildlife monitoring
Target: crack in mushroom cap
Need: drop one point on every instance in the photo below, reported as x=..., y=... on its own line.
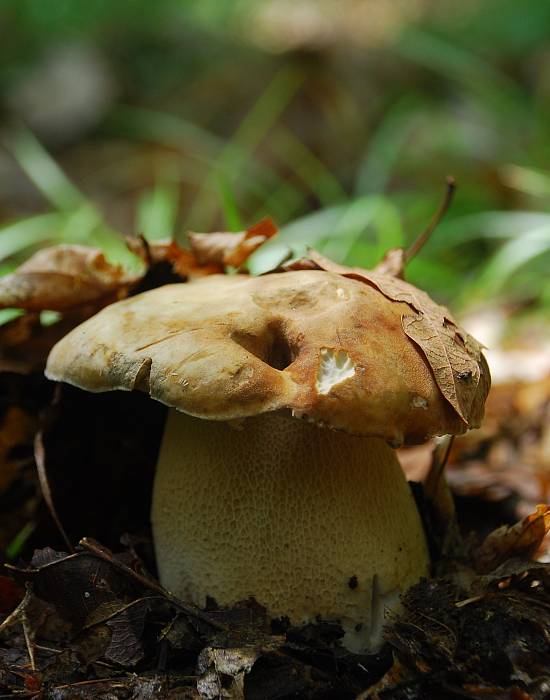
x=330, y=349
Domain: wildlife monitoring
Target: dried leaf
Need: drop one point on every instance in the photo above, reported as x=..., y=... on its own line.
x=223, y=670
x=211, y=248
x=393, y=263
x=222, y=249
x=62, y=277
x=184, y=262
x=520, y=540
x=76, y=584
x=454, y=356
x=126, y=647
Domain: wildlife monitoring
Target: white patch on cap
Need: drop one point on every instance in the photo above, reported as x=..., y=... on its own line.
x=419, y=402
x=334, y=368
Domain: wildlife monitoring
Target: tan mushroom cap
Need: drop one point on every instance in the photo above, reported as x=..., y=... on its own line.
x=330, y=348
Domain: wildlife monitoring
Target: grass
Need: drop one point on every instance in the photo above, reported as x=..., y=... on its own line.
x=349, y=157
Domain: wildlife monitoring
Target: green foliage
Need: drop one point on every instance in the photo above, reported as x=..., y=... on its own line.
x=346, y=147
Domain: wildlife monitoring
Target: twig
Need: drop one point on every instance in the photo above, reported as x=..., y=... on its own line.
x=15, y=615
x=439, y=214
x=40, y=459
x=146, y=250
x=117, y=681
x=28, y=640
x=20, y=614
x=439, y=462
x=191, y=610
x=120, y=610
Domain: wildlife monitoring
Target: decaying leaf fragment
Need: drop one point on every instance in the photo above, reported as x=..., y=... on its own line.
x=453, y=355
x=393, y=263
x=230, y=249
x=63, y=277
x=520, y=540
x=182, y=261
x=78, y=281
x=223, y=671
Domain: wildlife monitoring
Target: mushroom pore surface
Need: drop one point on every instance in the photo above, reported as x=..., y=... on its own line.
x=297, y=516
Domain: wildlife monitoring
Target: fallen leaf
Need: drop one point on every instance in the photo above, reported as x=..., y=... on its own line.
x=223, y=670
x=454, y=356
x=393, y=263
x=230, y=249
x=62, y=277
x=183, y=262
x=520, y=540
x=125, y=647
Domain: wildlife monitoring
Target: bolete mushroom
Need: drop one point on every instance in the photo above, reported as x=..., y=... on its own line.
x=248, y=499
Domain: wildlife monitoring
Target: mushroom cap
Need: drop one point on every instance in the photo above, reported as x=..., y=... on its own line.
x=332, y=349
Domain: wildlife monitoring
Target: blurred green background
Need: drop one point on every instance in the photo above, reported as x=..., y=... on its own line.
x=339, y=118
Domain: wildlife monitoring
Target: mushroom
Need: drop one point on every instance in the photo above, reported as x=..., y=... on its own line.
x=303, y=515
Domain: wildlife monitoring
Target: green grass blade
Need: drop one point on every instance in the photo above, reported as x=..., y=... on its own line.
x=26, y=233
x=386, y=144
x=157, y=212
x=513, y=255
x=491, y=87
x=237, y=156
x=291, y=151
x=44, y=172
x=230, y=207
x=7, y=315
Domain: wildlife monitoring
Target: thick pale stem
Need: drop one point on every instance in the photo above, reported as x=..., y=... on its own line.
x=299, y=517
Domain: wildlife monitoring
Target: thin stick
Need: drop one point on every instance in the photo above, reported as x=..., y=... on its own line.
x=15, y=615
x=40, y=459
x=114, y=614
x=440, y=461
x=28, y=640
x=20, y=614
x=439, y=214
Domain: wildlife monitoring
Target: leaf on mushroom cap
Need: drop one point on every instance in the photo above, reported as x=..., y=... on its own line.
x=454, y=356
x=332, y=349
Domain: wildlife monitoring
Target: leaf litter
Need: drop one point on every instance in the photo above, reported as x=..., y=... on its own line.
x=97, y=624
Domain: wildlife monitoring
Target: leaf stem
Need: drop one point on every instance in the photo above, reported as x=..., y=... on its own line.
x=439, y=214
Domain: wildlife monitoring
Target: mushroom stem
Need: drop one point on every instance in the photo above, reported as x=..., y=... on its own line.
x=299, y=517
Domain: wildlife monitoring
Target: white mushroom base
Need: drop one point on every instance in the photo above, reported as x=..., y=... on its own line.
x=299, y=517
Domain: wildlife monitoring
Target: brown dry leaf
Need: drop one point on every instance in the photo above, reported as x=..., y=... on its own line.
x=454, y=356
x=520, y=540
x=507, y=461
x=223, y=249
x=185, y=264
x=215, y=664
x=66, y=276
x=395, y=675
x=62, y=277
x=393, y=263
